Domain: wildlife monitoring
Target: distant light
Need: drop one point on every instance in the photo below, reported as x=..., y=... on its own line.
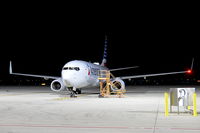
x=43, y=84
x=189, y=71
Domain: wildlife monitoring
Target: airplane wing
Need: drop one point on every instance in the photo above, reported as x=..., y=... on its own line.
x=189, y=71
x=31, y=75
x=151, y=75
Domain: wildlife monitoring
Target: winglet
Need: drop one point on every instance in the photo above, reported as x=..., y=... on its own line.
x=10, y=68
x=192, y=64
x=189, y=71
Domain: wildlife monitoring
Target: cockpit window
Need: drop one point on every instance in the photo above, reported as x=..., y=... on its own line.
x=71, y=68
x=76, y=68
x=65, y=68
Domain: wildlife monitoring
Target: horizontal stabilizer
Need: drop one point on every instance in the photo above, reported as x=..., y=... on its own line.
x=117, y=69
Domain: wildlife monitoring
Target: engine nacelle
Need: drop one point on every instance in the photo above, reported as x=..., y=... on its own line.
x=57, y=85
x=118, y=84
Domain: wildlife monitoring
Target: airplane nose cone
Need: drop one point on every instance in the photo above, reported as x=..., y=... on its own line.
x=70, y=78
x=67, y=79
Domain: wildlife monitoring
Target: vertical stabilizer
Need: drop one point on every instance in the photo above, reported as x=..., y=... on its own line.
x=104, y=60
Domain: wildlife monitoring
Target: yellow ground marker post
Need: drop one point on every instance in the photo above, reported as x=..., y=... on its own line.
x=194, y=104
x=166, y=104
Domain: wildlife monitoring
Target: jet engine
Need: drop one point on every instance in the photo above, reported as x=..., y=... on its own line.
x=57, y=85
x=118, y=84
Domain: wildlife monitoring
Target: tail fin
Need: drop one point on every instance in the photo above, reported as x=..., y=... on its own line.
x=104, y=60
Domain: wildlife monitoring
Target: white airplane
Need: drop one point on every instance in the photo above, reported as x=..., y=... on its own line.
x=79, y=74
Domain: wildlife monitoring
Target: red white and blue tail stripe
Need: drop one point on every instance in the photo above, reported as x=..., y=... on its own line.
x=104, y=61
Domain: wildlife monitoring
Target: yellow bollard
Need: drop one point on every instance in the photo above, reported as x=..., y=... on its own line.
x=194, y=104
x=166, y=104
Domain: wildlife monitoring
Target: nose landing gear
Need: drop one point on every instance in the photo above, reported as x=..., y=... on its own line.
x=74, y=91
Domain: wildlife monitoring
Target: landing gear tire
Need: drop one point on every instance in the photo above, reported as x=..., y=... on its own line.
x=73, y=94
x=78, y=91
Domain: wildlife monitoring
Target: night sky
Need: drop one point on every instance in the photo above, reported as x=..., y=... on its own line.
x=41, y=41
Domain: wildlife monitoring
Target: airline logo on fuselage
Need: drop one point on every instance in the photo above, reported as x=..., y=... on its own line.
x=92, y=70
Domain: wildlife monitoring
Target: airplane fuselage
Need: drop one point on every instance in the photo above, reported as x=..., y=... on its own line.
x=81, y=74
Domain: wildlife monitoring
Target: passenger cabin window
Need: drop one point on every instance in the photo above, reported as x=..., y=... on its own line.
x=71, y=68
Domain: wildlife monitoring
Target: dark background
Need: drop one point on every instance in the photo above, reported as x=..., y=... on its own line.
x=40, y=38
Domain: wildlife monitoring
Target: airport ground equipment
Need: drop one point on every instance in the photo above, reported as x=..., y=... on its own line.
x=181, y=97
x=106, y=84
x=166, y=104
